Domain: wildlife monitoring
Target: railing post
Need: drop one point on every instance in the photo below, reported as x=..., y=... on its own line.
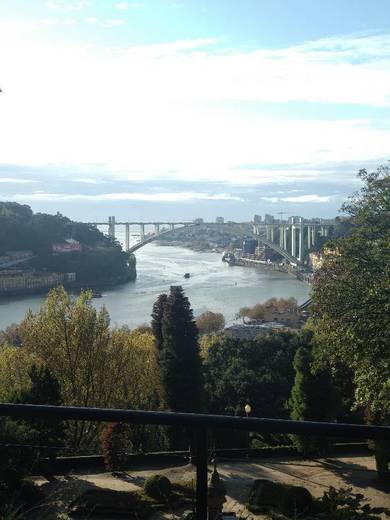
x=201, y=474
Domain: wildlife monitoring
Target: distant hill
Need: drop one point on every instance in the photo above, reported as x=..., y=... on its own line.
x=22, y=229
x=101, y=259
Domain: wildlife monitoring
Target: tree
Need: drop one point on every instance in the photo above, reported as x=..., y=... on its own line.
x=178, y=352
x=93, y=365
x=178, y=359
x=15, y=364
x=259, y=372
x=138, y=384
x=12, y=335
x=312, y=399
x=351, y=295
x=270, y=309
x=209, y=322
x=157, y=317
x=73, y=340
x=17, y=460
x=44, y=389
x=253, y=313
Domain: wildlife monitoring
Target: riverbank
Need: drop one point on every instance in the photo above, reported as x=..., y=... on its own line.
x=303, y=276
x=213, y=285
x=42, y=283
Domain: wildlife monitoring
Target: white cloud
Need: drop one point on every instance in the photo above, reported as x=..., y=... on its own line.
x=67, y=5
x=93, y=20
x=150, y=108
x=112, y=23
x=124, y=6
x=88, y=180
x=15, y=180
x=299, y=199
x=185, y=196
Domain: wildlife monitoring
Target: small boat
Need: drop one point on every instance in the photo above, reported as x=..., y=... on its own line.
x=187, y=275
x=96, y=294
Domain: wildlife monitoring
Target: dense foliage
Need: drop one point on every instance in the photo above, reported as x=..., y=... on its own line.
x=22, y=229
x=258, y=372
x=351, y=295
x=44, y=389
x=312, y=399
x=93, y=364
x=271, y=308
x=101, y=259
x=178, y=352
x=210, y=322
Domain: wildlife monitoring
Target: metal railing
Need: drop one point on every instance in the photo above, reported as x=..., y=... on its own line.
x=200, y=423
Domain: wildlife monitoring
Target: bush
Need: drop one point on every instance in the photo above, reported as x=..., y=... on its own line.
x=158, y=487
x=115, y=442
x=342, y=504
x=382, y=459
x=289, y=500
x=295, y=501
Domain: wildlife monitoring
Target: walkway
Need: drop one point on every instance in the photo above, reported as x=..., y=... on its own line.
x=357, y=472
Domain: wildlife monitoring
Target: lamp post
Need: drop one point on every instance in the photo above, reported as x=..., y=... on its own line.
x=248, y=410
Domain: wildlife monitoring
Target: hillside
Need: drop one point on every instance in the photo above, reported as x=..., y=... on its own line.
x=97, y=259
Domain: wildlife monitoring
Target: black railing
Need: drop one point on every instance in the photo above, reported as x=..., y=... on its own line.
x=200, y=423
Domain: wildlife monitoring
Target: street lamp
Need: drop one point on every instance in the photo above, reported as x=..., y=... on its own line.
x=248, y=410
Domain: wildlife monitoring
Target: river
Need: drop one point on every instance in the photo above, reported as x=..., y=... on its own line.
x=213, y=285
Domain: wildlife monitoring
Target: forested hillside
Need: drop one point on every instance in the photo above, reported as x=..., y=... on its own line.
x=101, y=260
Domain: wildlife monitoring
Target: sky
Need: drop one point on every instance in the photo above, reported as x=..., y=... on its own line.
x=178, y=109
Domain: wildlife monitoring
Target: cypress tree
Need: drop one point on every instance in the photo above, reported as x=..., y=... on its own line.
x=312, y=399
x=157, y=316
x=178, y=352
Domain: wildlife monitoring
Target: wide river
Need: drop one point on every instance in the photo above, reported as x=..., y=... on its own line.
x=213, y=285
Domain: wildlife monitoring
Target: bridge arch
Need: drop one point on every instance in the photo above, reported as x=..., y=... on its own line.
x=285, y=254
x=155, y=236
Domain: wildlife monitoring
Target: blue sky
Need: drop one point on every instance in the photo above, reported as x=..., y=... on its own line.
x=152, y=108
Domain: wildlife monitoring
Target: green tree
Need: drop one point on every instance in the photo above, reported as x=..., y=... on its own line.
x=178, y=352
x=259, y=372
x=44, y=389
x=351, y=295
x=71, y=338
x=17, y=460
x=312, y=399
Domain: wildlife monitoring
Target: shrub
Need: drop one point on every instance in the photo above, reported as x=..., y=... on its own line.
x=295, y=501
x=289, y=500
x=158, y=487
x=342, y=504
x=115, y=442
x=382, y=458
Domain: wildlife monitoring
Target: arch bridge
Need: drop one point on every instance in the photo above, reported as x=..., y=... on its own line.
x=145, y=238
x=291, y=239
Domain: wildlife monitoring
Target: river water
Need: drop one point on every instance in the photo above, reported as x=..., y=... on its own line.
x=213, y=285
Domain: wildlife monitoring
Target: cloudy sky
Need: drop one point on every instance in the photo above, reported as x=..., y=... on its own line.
x=186, y=108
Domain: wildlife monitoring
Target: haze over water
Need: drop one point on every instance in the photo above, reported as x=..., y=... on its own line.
x=213, y=286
